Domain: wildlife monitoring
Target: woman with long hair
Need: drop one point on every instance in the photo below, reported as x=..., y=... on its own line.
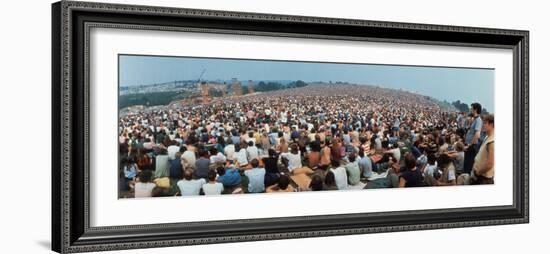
x=272, y=173
x=330, y=181
x=316, y=183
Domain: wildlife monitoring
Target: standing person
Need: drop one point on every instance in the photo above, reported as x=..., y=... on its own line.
x=463, y=124
x=472, y=138
x=212, y=187
x=255, y=177
x=484, y=163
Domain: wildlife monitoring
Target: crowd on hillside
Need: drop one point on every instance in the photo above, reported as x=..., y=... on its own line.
x=314, y=138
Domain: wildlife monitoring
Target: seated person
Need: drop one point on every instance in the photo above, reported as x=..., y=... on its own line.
x=365, y=164
x=316, y=183
x=340, y=175
x=144, y=188
x=294, y=157
x=283, y=185
x=353, y=171
x=252, y=151
x=202, y=165
x=217, y=156
x=229, y=177
x=271, y=168
x=430, y=169
x=241, y=156
x=256, y=177
x=188, y=186
x=330, y=181
x=448, y=174
x=411, y=176
x=212, y=187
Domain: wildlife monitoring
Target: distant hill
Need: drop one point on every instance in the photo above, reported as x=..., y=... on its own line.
x=164, y=93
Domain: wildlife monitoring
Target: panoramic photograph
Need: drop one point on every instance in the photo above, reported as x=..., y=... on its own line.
x=194, y=126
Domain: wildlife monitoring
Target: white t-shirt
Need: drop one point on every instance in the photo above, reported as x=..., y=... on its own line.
x=218, y=158
x=241, y=157
x=172, y=150
x=377, y=143
x=252, y=152
x=212, y=188
x=148, y=145
x=294, y=160
x=190, y=187
x=286, y=136
x=248, y=139
x=430, y=169
x=189, y=157
x=144, y=190
x=451, y=175
x=396, y=153
x=229, y=151
x=341, y=177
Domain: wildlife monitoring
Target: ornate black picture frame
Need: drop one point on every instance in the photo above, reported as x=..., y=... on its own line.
x=71, y=230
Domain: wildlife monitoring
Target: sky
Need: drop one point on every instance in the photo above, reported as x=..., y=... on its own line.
x=444, y=83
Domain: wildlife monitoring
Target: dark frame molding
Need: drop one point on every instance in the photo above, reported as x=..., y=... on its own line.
x=71, y=22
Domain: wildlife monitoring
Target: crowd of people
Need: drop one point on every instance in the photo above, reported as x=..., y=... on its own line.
x=314, y=138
